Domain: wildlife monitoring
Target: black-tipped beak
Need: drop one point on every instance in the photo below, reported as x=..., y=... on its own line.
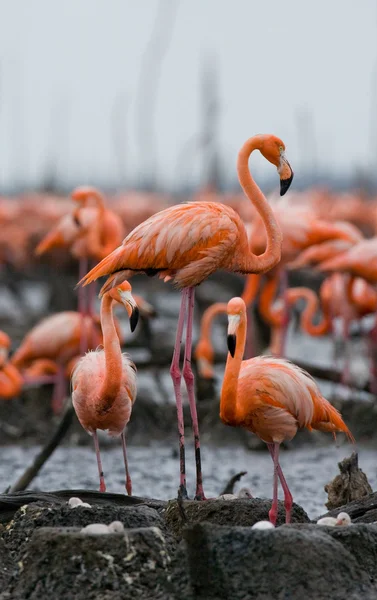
x=134, y=318
x=232, y=344
x=285, y=184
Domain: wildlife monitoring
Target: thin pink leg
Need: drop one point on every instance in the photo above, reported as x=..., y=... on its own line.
x=188, y=376
x=283, y=294
x=273, y=513
x=176, y=377
x=102, y=486
x=288, y=499
x=58, y=394
x=128, y=476
x=82, y=308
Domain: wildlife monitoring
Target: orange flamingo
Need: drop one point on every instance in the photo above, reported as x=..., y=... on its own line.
x=91, y=232
x=104, y=381
x=187, y=243
x=10, y=378
x=272, y=398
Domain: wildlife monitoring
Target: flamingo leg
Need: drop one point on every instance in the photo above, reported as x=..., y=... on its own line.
x=102, y=486
x=128, y=476
x=176, y=377
x=188, y=376
x=288, y=499
x=284, y=328
x=82, y=305
x=58, y=394
x=273, y=513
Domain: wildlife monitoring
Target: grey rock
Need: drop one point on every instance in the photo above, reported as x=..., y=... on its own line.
x=279, y=564
x=31, y=517
x=243, y=511
x=63, y=563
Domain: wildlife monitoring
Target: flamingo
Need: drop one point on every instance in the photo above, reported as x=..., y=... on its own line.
x=91, y=232
x=186, y=243
x=104, y=381
x=57, y=338
x=272, y=398
x=10, y=378
x=360, y=260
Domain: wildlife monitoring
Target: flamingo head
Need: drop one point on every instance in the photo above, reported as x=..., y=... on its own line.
x=236, y=309
x=273, y=149
x=122, y=293
x=83, y=193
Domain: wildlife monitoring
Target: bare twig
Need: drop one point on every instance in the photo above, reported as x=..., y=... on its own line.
x=33, y=470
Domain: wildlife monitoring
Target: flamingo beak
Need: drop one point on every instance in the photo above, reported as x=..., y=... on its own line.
x=286, y=174
x=131, y=308
x=233, y=322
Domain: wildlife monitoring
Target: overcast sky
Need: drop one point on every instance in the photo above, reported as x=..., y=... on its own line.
x=67, y=66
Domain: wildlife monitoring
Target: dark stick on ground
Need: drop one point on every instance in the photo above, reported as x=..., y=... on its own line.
x=228, y=489
x=54, y=441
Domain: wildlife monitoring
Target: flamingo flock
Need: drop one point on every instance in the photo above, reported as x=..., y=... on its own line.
x=185, y=244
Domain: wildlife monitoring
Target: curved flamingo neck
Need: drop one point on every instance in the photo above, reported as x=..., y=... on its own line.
x=113, y=356
x=209, y=314
x=273, y=317
x=251, y=288
x=99, y=200
x=308, y=314
x=271, y=256
x=229, y=413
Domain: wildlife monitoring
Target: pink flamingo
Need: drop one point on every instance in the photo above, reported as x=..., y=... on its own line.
x=104, y=381
x=272, y=398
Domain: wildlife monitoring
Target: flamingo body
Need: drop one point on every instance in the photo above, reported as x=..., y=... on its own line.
x=87, y=379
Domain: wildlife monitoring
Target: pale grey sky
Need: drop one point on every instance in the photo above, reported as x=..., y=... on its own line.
x=65, y=62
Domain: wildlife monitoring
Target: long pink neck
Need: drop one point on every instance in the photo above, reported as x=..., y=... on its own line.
x=228, y=399
x=209, y=314
x=311, y=308
x=271, y=256
x=113, y=356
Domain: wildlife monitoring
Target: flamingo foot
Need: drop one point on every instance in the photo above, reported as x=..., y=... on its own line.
x=182, y=492
x=102, y=486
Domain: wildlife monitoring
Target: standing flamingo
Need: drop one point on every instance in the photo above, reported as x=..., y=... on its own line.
x=104, y=381
x=187, y=243
x=272, y=398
